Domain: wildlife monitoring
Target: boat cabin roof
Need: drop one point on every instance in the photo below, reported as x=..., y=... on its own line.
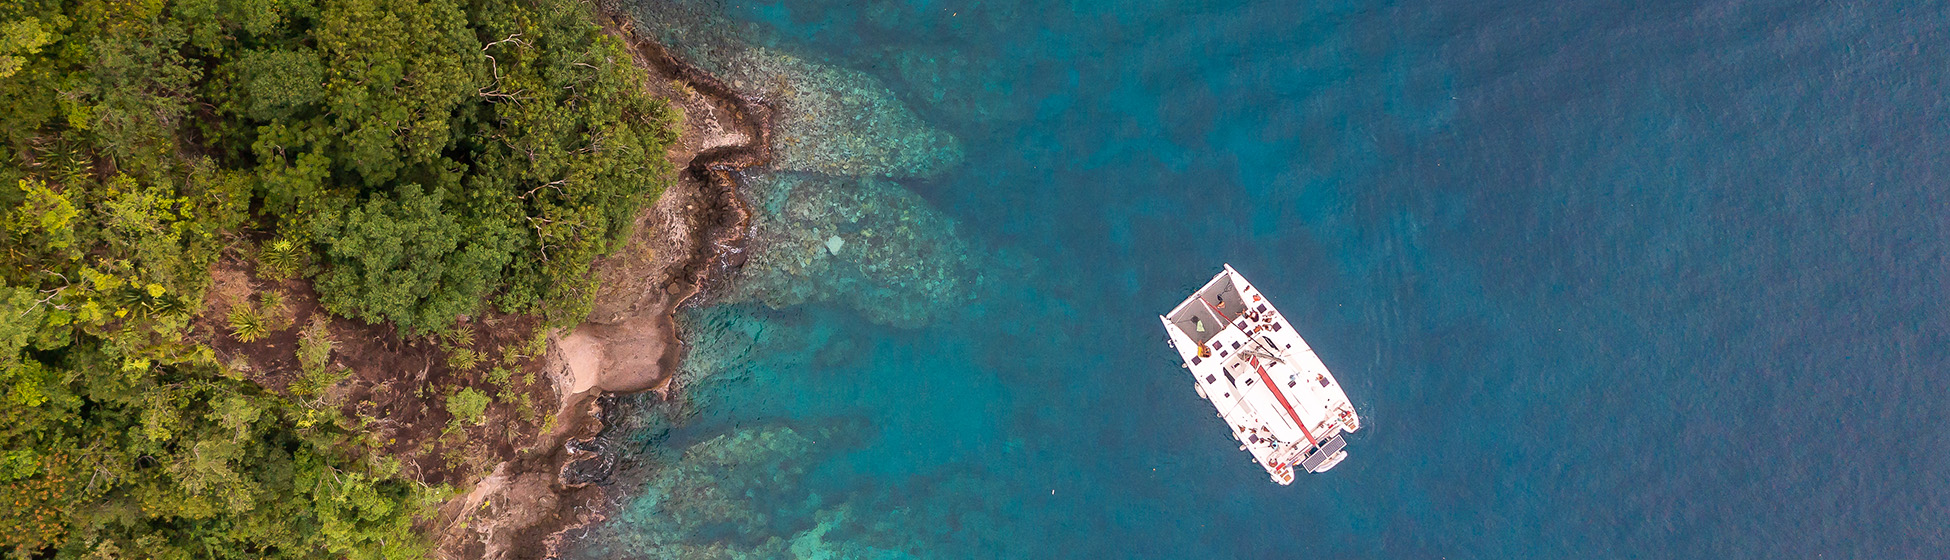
x=1196, y=315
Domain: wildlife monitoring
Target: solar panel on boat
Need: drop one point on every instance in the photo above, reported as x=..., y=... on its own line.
x=1326, y=450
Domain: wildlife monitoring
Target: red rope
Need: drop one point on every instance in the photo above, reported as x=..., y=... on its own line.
x=1215, y=311
x=1268, y=379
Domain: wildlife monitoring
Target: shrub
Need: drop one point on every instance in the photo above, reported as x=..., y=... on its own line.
x=462, y=359
x=314, y=357
x=432, y=172
x=271, y=306
x=462, y=336
x=279, y=259
x=315, y=345
x=246, y=324
x=468, y=406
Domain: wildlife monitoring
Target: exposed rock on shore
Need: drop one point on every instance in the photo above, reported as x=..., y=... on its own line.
x=831, y=120
x=629, y=342
x=826, y=222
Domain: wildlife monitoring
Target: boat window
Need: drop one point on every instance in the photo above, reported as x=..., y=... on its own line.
x=1209, y=378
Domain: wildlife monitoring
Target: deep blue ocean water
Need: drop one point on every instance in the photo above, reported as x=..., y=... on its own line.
x=1605, y=279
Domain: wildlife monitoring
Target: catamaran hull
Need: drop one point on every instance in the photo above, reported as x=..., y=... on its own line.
x=1266, y=383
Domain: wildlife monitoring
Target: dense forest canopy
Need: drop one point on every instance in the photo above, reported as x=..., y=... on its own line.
x=420, y=161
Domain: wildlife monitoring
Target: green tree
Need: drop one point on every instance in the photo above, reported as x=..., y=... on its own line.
x=403, y=259
x=20, y=37
x=429, y=156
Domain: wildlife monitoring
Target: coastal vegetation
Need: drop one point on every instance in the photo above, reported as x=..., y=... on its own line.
x=419, y=163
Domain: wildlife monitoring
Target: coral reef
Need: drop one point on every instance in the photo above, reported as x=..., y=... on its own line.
x=811, y=544
x=861, y=241
x=724, y=496
x=840, y=121
x=714, y=481
x=728, y=341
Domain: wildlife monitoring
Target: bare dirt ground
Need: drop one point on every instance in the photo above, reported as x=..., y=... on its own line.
x=379, y=382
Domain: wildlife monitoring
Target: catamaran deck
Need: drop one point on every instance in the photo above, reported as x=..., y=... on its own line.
x=1280, y=401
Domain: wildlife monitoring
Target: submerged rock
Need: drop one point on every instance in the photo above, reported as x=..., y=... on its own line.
x=711, y=485
x=729, y=497
x=840, y=121
x=904, y=264
x=811, y=544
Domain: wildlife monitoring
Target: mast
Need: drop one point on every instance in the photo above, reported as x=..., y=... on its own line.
x=1275, y=388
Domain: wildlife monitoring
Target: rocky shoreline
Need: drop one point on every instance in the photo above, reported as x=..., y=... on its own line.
x=790, y=181
x=685, y=243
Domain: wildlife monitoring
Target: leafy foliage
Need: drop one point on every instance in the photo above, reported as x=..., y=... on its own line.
x=279, y=259
x=247, y=324
x=494, y=153
x=461, y=336
x=271, y=306
x=463, y=359
x=420, y=159
x=468, y=406
x=314, y=359
x=403, y=259
x=315, y=346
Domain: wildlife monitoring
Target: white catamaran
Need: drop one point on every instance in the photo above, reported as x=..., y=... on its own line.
x=1269, y=387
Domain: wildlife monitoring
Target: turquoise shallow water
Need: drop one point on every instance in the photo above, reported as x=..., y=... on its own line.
x=1647, y=279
